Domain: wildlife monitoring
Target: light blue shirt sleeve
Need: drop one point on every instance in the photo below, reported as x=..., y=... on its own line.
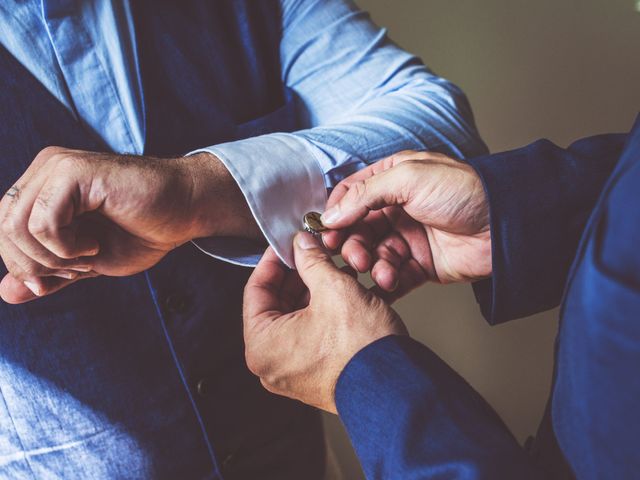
x=362, y=98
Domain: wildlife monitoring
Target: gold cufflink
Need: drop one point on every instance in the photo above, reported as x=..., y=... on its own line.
x=312, y=223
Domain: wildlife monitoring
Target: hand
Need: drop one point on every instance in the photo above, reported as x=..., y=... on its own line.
x=76, y=214
x=413, y=217
x=302, y=327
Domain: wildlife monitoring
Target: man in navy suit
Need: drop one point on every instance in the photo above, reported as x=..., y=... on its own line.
x=531, y=228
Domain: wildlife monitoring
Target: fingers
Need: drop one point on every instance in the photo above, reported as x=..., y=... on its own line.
x=383, y=183
x=375, y=168
x=313, y=262
x=356, y=250
x=294, y=294
x=51, y=220
x=333, y=239
x=27, y=258
x=400, y=250
x=24, y=268
x=17, y=233
x=357, y=243
x=15, y=291
x=262, y=292
x=374, y=193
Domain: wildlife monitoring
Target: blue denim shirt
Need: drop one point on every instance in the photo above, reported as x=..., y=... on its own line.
x=145, y=376
x=361, y=96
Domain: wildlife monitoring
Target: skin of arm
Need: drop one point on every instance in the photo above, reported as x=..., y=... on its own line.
x=76, y=214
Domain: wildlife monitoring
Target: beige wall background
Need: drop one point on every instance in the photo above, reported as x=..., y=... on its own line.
x=560, y=69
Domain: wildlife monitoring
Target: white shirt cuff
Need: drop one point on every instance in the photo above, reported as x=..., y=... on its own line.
x=281, y=180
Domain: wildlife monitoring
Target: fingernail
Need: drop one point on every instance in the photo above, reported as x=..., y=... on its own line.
x=81, y=268
x=34, y=287
x=330, y=216
x=67, y=275
x=324, y=244
x=306, y=241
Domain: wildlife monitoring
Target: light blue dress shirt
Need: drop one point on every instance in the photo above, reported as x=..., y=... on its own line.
x=361, y=97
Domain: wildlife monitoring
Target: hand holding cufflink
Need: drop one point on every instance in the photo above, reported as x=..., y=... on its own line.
x=408, y=219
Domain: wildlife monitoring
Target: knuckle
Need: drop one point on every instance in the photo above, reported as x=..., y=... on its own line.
x=4, y=226
x=254, y=363
x=38, y=226
x=268, y=386
x=359, y=189
x=277, y=383
x=408, y=171
x=10, y=225
x=49, y=152
x=13, y=268
x=43, y=200
x=67, y=164
x=65, y=251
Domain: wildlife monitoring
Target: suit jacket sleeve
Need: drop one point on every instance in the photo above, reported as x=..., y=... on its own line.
x=409, y=416
x=540, y=198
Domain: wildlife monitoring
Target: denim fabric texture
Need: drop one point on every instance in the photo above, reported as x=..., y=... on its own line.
x=357, y=96
x=144, y=377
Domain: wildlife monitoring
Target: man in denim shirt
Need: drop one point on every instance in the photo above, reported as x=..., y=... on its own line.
x=217, y=121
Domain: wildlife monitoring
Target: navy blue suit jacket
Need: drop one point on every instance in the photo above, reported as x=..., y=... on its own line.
x=565, y=228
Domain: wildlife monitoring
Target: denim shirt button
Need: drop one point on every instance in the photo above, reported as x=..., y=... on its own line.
x=176, y=303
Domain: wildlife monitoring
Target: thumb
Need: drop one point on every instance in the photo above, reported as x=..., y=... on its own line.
x=373, y=193
x=313, y=263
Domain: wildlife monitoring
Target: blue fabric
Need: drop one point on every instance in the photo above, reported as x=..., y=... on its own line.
x=410, y=416
x=144, y=377
x=357, y=97
x=540, y=198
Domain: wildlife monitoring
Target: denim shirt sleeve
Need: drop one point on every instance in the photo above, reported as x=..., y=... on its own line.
x=360, y=98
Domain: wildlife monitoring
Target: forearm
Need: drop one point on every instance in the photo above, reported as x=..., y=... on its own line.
x=540, y=198
x=219, y=208
x=410, y=416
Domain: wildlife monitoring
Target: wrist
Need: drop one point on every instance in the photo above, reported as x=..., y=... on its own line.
x=217, y=205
